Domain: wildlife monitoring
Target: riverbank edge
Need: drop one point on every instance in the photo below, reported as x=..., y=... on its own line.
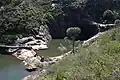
x=40, y=73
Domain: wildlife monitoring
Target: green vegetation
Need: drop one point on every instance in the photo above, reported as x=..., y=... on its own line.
x=110, y=16
x=99, y=61
x=72, y=33
x=21, y=16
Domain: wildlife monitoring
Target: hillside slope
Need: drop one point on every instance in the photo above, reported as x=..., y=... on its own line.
x=99, y=61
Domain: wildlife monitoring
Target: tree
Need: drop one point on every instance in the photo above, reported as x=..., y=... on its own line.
x=108, y=16
x=22, y=16
x=72, y=33
x=117, y=22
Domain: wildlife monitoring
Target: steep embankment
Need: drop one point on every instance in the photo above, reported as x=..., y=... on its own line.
x=98, y=61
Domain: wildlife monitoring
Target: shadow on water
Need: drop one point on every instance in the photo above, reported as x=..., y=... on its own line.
x=3, y=51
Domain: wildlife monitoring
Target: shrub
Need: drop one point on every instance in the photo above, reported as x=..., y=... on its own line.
x=72, y=33
x=61, y=76
x=117, y=22
x=108, y=15
x=8, y=39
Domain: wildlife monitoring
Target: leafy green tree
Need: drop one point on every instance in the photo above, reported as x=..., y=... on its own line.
x=108, y=16
x=72, y=33
x=22, y=16
x=117, y=22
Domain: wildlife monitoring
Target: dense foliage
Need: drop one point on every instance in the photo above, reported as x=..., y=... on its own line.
x=21, y=16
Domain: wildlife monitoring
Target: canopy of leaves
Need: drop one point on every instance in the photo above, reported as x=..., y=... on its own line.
x=73, y=32
x=20, y=16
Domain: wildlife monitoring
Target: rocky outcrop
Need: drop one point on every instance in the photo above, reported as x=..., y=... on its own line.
x=45, y=63
x=24, y=50
x=25, y=46
x=35, y=43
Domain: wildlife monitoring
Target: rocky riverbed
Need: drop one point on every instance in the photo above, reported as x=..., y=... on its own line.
x=47, y=62
x=25, y=51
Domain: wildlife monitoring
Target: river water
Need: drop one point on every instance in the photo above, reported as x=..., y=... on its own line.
x=13, y=69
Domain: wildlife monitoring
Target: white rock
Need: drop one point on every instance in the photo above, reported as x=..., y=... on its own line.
x=53, y=5
x=24, y=54
x=43, y=42
x=39, y=47
x=25, y=63
x=12, y=50
x=33, y=42
x=42, y=46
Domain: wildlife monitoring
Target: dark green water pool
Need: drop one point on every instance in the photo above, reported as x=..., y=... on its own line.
x=53, y=48
x=13, y=69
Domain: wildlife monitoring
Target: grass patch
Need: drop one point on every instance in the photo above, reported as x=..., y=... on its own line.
x=99, y=61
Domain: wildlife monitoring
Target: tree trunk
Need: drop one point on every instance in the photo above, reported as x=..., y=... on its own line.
x=73, y=46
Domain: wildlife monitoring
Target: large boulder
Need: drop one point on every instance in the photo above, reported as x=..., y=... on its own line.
x=39, y=47
x=23, y=54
